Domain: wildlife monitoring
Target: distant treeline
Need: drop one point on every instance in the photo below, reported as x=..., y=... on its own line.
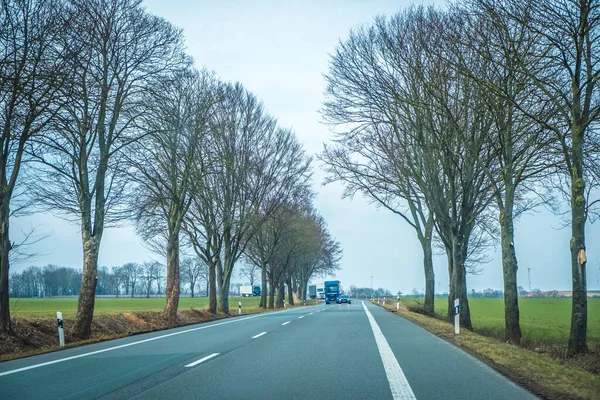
x=362, y=292
x=130, y=279
x=495, y=294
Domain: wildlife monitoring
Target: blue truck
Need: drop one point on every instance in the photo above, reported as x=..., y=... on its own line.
x=332, y=291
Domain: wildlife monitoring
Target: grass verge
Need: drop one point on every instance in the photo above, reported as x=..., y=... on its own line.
x=541, y=374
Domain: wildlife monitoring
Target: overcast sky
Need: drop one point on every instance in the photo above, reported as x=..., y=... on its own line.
x=279, y=50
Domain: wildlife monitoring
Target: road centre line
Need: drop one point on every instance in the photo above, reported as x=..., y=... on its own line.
x=311, y=313
x=202, y=360
x=285, y=323
x=14, y=371
x=399, y=385
x=300, y=317
x=259, y=335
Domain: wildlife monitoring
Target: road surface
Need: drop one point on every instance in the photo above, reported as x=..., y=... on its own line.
x=356, y=351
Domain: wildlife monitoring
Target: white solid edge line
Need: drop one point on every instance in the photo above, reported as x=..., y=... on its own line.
x=399, y=386
x=135, y=343
x=202, y=360
x=259, y=335
x=285, y=323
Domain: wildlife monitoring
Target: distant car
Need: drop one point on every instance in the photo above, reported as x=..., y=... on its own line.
x=344, y=299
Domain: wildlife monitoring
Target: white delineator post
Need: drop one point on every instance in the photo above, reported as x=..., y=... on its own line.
x=456, y=316
x=398, y=303
x=239, y=308
x=284, y=304
x=61, y=331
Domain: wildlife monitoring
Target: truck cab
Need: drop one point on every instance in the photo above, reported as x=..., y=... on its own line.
x=332, y=291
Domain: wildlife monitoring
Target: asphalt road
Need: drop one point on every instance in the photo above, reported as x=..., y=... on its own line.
x=356, y=351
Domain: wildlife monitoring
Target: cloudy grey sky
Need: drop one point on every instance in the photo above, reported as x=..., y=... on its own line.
x=279, y=50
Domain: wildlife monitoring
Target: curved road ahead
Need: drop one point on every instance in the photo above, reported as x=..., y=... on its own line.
x=356, y=351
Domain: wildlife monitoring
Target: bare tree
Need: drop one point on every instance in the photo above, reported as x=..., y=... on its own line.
x=149, y=269
x=266, y=247
x=133, y=273
x=249, y=271
x=254, y=162
x=564, y=67
x=163, y=165
x=193, y=270
x=321, y=254
x=30, y=75
x=522, y=151
x=412, y=131
x=116, y=51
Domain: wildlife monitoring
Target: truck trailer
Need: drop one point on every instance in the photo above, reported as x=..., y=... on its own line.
x=249, y=291
x=312, y=292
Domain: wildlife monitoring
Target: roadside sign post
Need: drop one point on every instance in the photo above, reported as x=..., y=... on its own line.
x=239, y=308
x=456, y=316
x=61, y=331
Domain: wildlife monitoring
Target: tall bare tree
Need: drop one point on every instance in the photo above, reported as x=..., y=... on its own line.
x=163, y=165
x=193, y=271
x=564, y=67
x=31, y=71
x=254, y=167
x=116, y=52
x=410, y=136
x=149, y=269
x=522, y=151
x=320, y=255
x=249, y=271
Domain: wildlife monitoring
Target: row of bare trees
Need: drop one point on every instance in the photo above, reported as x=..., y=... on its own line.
x=110, y=121
x=460, y=120
x=291, y=247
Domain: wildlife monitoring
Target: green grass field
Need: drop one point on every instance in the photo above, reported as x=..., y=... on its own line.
x=47, y=308
x=542, y=320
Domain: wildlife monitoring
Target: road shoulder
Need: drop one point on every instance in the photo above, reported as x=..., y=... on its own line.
x=540, y=374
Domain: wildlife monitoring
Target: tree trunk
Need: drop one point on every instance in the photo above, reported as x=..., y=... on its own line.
x=271, y=294
x=303, y=289
x=280, y=294
x=173, y=281
x=290, y=292
x=578, y=334
x=460, y=282
x=89, y=278
x=192, y=289
x=509, y=269
x=223, y=305
x=263, y=289
x=5, y=322
x=428, y=267
x=212, y=292
x=451, y=295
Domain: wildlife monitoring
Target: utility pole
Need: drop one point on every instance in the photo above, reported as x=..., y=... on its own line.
x=371, y=285
x=529, y=277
